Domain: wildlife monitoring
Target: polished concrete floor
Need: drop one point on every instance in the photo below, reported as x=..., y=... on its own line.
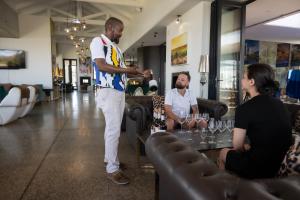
x=56, y=152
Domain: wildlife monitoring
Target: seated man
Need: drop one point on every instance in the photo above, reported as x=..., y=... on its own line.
x=179, y=101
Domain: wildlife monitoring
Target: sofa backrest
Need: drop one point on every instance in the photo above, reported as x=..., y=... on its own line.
x=215, y=108
x=186, y=174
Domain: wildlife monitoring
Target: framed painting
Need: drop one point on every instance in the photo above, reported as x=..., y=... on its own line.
x=251, y=52
x=179, y=49
x=283, y=55
x=267, y=53
x=295, y=61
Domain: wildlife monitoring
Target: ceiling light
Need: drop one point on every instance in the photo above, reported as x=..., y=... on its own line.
x=72, y=37
x=76, y=21
x=82, y=40
x=178, y=19
x=67, y=30
x=291, y=21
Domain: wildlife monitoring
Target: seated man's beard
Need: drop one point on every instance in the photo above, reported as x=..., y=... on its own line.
x=178, y=86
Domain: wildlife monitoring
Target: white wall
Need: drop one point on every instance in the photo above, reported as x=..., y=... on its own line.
x=153, y=12
x=196, y=22
x=35, y=39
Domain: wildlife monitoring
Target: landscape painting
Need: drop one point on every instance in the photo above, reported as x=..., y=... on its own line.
x=179, y=49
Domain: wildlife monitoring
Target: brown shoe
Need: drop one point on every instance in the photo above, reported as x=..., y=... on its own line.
x=118, y=177
x=122, y=166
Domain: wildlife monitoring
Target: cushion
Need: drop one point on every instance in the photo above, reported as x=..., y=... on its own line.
x=3, y=93
x=159, y=116
x=291, y=162
x=138, y=92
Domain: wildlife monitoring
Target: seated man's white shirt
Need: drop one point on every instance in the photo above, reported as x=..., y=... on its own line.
x=179, y=102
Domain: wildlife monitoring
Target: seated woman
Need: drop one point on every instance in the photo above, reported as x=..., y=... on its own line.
x=265, y=121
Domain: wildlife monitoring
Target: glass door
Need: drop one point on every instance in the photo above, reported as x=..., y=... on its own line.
x=227, y=51
x=230, y=50
x=70, y=73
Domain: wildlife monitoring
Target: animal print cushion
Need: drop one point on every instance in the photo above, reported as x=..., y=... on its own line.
x=159, y=115
x=291, y=161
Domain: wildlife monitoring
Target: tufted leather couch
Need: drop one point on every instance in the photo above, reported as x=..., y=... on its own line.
x=185, y=174
x=139, y=116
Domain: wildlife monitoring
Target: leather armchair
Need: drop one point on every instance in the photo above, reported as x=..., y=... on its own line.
x=183, y=173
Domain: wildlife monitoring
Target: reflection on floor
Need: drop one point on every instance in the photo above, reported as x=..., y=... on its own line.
x=56, y=152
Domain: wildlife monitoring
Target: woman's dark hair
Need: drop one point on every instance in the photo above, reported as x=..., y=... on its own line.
x=263, y=76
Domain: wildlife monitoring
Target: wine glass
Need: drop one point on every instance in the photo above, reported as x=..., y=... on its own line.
x=203, y=137
x=182, y=118
x=230, y=126
x=198, y=119
x=212, y=126
x=205, y=117
x=221, y=125
x=189, y=118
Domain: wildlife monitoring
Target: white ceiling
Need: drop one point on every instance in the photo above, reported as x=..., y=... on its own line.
x=93, y=12
x=256, y=13
x=261, y=11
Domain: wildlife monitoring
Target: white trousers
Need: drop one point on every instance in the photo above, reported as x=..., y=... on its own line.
x=112, y=104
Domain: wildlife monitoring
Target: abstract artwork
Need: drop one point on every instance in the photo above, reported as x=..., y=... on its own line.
x=251, y=51
x=283, y=55
x=85, y=66
x=179, y=49
x=295, y=61
x=267, y=53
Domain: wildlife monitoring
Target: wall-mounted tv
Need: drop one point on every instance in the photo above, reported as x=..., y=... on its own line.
x=12, y=59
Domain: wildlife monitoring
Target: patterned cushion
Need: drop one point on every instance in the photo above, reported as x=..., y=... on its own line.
x=159, y=115
x=291, y=162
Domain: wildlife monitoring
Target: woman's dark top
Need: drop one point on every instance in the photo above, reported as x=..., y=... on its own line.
x=268, y=128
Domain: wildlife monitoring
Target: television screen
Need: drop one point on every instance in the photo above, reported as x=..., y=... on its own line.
x=12, y=59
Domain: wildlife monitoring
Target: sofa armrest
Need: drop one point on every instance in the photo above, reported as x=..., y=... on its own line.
x=215, y=108
x=138, y=113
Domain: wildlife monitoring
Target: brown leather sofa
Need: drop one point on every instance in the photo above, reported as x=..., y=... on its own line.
x=183, y=173
x=139, y=117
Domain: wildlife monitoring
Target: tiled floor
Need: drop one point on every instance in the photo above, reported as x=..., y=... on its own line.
x=56, y=152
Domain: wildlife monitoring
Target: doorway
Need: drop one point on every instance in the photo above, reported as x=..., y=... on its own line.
x=70, y=74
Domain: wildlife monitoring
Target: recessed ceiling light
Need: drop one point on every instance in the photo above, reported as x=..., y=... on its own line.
x=291, y=21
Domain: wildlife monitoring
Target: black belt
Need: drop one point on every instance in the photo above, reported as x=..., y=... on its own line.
x=100, y=87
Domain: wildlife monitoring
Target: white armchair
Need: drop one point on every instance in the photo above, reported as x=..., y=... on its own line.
x=31, y=101
x=9, y=106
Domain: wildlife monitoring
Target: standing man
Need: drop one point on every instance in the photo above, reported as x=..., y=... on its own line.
x=111, y=75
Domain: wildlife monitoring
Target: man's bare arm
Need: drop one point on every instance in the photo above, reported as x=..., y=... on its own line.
x=195, y=109
x=103, y=66
x=170, y=114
